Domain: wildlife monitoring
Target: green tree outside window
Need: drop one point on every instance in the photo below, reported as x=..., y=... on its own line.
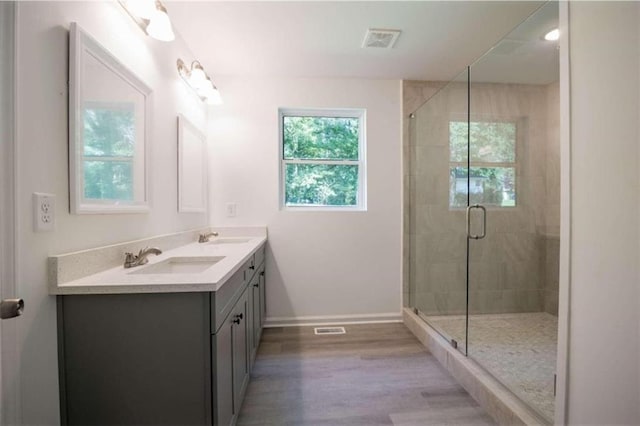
x=109, y=149
x=489, y=177
x=321, y=157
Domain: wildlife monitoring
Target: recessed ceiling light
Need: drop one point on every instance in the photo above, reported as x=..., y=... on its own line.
x=552, y=35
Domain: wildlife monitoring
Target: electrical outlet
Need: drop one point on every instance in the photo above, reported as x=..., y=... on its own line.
x=231, y=209
x=44, y=212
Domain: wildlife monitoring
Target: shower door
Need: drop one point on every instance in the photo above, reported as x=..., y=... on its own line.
x=514, y=182
x=438, y=184
x=484, y=179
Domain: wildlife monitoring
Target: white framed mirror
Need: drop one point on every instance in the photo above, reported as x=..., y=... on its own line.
x=192, y=168
x=109, y=125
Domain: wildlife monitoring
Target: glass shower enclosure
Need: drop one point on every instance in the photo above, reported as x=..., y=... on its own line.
x=483, y=210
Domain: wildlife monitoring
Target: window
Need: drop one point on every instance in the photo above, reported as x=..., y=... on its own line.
x=491, y=172
x=109, y=151
x=322, y=159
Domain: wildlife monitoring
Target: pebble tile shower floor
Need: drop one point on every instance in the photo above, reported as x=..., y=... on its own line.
x=518, y=349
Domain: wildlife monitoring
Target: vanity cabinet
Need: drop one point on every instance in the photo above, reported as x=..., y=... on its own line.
x=159, y=358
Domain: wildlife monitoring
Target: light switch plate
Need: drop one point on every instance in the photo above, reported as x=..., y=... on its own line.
x=231, y=209
x=44, y=212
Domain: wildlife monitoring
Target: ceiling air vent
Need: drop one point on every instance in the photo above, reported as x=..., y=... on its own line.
x=384, y=39
x=508, y=47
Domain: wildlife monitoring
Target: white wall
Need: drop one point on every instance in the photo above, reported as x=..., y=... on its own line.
x=604, y=352
x=42, y=166
x=320, y=264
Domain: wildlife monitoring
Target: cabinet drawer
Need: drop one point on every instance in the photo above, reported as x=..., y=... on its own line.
x=253, y=265
x=259, y=256
x=223, y=300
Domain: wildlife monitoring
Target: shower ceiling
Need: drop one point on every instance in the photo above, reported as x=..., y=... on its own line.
x=323, y=39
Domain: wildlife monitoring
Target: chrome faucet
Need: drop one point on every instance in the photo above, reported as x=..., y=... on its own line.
x=132, y=260
x=204, y=238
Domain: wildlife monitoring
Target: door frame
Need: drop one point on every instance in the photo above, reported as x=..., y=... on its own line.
x=9, y=341
x=564, y=290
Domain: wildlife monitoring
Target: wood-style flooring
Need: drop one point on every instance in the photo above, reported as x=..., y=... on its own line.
x=376, y=374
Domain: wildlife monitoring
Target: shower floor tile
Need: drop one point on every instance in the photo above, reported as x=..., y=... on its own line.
x=517, y=349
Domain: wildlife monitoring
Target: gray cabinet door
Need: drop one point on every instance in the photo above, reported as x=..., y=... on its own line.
x=263, y=298
x=240, y=338
x=255, y=317
x=135, y=359
x=223, y=376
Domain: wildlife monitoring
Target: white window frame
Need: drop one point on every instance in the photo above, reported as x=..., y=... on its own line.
x=360, y=114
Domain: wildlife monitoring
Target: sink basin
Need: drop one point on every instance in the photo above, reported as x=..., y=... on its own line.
x=180, y=265
x=229, y=241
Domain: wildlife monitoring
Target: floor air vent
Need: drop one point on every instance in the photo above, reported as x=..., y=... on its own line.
x=329, y=330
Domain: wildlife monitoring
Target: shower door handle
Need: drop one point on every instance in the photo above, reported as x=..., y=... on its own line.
x=484, y=222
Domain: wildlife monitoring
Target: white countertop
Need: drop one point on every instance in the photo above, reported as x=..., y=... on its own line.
x=120, y=280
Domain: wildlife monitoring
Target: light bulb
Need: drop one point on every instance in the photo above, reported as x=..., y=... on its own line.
x=197, y=79
x=552, y=35
x=141, y=8
x=214, y=98
x=160, y=25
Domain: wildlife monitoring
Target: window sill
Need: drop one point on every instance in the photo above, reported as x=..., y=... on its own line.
x=323, y=209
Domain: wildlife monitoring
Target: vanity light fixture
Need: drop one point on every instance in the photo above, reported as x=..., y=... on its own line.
x=552, y=35
x=140, y=8
x=151, y=16
x=199, y=81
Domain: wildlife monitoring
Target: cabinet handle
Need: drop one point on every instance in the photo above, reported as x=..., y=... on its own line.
x=262, y=273
x=256, y=285
x=252, y=267
x=236, y=321
x=240, y=315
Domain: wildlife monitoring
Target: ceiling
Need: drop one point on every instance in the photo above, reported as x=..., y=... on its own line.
x=523, y=56
x=323, y=39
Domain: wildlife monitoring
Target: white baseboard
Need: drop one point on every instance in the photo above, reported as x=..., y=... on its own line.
x=332, y=320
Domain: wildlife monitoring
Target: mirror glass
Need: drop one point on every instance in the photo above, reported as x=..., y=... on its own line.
x=109, y=122
x=192, y=168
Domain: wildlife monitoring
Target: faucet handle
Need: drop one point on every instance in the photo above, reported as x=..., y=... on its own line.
x=132, y=260
x=203, y=238
x=129, y=259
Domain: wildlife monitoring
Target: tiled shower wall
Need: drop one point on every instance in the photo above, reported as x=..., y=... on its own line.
x=551, y=234
x=515, y=268
x=414, y=94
